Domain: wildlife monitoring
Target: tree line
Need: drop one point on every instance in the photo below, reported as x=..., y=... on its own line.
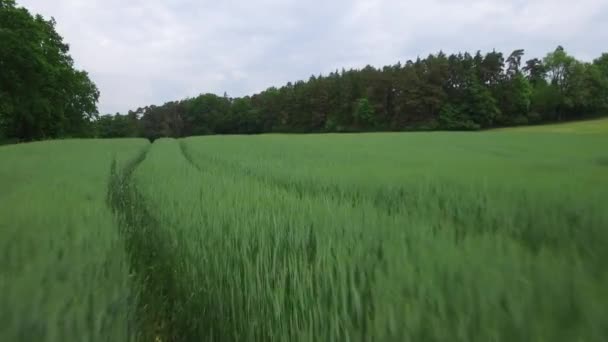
x=440, y=92
x=43, y=96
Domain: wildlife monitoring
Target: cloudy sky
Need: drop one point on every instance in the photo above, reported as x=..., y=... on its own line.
x=142, y=52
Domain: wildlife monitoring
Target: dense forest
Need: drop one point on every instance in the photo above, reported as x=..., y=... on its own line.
x=43, y=96
x=447, y=92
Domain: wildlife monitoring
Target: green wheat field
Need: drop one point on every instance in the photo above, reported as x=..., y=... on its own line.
x=489, y=236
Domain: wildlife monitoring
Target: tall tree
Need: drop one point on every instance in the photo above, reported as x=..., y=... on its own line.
x=560, y=67
x=557, y=65
x=514, y=62
x=535, y=71
x=41, y=93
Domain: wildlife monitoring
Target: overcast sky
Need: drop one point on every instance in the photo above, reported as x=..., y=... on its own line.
x=142, y=52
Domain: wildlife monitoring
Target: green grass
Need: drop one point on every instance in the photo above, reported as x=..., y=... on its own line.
x=490, y=236
x=595, y=126
x=64, y=274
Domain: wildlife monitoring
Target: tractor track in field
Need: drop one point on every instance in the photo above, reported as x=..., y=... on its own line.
x=150, y=255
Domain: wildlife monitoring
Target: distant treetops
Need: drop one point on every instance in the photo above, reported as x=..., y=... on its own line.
x=446, y=92
x=43, y=96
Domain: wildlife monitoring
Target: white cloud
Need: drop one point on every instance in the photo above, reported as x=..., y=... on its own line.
x=143, y=52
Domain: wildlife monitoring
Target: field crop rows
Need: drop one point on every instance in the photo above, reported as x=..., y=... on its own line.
x=64, y=274
x=496, y=236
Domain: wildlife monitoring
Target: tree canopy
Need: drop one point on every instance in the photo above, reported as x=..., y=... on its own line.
x=456, y=92
x=42, y=95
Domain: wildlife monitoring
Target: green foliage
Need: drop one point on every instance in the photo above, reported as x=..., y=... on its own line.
x=536, y=71
x=245, y=118
x=164, y=121
x=204, y=113
x=331, y=125
x=602, y=64
x=516, y=100
x=453, y=118
x=514, y=62
x=522, y=91
x=364, y=113
x=557, y=64
x=116, y=126
x=481, y=105
x=587, y=91
x=41, y=94
x=459, y=91
x=545, y=101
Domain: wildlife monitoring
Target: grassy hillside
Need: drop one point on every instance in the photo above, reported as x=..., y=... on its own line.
x=484, y=236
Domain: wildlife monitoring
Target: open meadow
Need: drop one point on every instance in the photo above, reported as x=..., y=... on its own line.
x=487, y=236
